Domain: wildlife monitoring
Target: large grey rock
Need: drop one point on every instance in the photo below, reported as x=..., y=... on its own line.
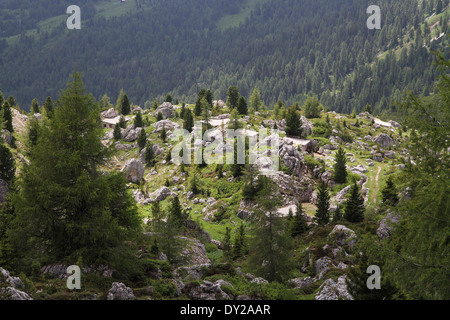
x=395, y=124
x=119, y=291
x=10, y=293
x=161, y=194
x=195, y=252
x=342, y=235
x=166, y=110
x=109, y=114
x=6, y=277
x=167, y=124
x=384, y=140
x=130, y=134
x=134, y=170
x=307, y=126
x=331, y=290
x=386, y=225
x=322, y=266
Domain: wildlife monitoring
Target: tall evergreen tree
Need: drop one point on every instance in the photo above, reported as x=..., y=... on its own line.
x=117, y=133
x=149, y=155
x=299, y=223
x=293, y=122
x=142, y=139
x=138, y=122
x=163, y=134
x=48, y=107
x=255, y=99
x=354, y=207
x=323, y=204
x=340, y=169
x=120, y=100
x=7, y=117
x=271, y=243
x=176, y=212
x=7, y=163
x=226, y=245
x=242, y=106
x=389, y=193
x=188, y=120
x=312, y=108
x=66, y=207
x=233, y=97
x=240, y=246
x=35, y=106
x=125, y=107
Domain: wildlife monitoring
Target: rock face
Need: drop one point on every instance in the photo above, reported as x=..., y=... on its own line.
x=109, y=114
x=195, y=253
x=385, y=228
x=331, y=290
x=343, y=235
x=119, y=291
x=292, y=158
x=322, y=266
x=9, y=287
x=134, y=170
x=307, y=126
x=131, y=133
x=383, y=140
x=194, y=272
x=166, y=110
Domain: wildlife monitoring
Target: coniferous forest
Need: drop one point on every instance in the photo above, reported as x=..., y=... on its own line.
x=113, y=179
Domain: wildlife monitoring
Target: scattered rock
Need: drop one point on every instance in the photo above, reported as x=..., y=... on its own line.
x=166, y=110
x=134, y=170
x=384, y=140
x=161, y=194
x=386, y=225
x=119, y=291
x=109, y=114
x=343, y=236
x=331, y=290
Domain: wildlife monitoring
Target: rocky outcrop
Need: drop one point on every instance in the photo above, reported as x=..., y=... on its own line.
x=131, y=133
x=332, y=290
x=322, y=266
x=341, y=235
x=307, y=126
x=166, y=109
x=386, y=225
x=134, y=170
x=210, y=291
x=9, y=287
x=383, y=140
x=161, y=194
x=195, y=252
x=194, y=272
x=169, y=125
x=109, y=114
x=119, y=291
x=300, y=283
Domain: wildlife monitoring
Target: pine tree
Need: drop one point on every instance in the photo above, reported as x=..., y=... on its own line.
x=122, y=122
x=35, y=106
x=188, y=120
x=117, y=133
x=138, y=123
x=120, y=100
x=226, y=245
x=149, y=154
x=7, y=117
x=323, y=204
x=312, y=108
x=255, y=99
x=293, y=123
x=389, y=193
x=237, y=169
x=340, y=169
x=205, y=111
x=176, y=212
x=48, y=107
x=299, y=223
x=233, y=97
x=354, y=207
x=159, y=117
x=125, y=107
x=234, y=122
x=32, y=133
x=270, y=254
x=209, y=98
x=66, y=207
x=105, y=104
x=239, y=247
x=142, y=139
x=169, y=98
x=7, y=163
x=242, y=106
x=168, y=238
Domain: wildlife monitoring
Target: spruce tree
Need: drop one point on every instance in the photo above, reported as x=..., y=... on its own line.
x=117, y=133
x=7, y=163
x=354, y=206
x=337, y=216
x=66, y=207
x=270, y=249
x=163, y=134
x=188, y=120
x=48, y=107
x=120, y=100
x=142, y=139
x=255, y=99
x=138, y=123
x=159, y=117
x=239, y=247
x=233, y=97
x=149, y=154
x=226, y=245
x=122, y=122
x=169, y=98
x=125, y=107
x=242, y=106
x=389, y=193
x=237, y=169
x=323, y=204
x=312, y=108
x=340, y=169
x=35, y=106
x=32, y=133
x=299, y=223
x=7, y=117
x=293, y=122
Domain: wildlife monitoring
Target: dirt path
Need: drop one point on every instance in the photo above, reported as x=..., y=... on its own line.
x=376, y=185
